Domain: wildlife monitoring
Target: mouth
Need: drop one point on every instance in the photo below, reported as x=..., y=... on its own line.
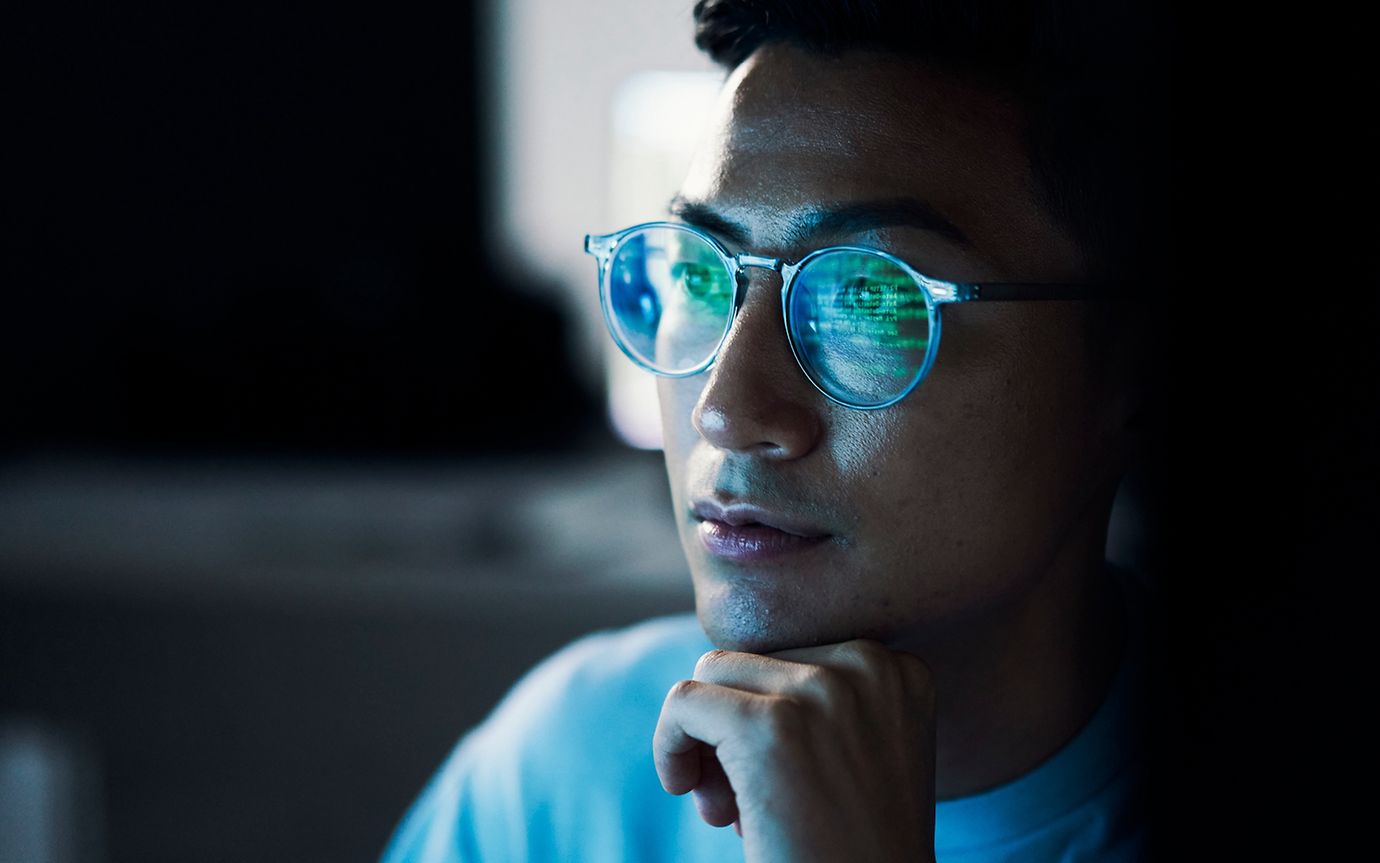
x=747, y=533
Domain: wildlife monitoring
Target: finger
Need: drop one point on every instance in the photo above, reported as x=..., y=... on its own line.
x=714, y=796
x=865, y=659
x=855, y=654
x=694, y=713
x=832, y=675
x=919, y=679
x=753, y=672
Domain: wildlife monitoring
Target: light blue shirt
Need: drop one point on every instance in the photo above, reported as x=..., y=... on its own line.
x=562, y=770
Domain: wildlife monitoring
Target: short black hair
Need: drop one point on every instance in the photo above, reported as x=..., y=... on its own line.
x=1091, y=75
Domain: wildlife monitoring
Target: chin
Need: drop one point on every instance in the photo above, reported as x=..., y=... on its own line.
x=746, y=622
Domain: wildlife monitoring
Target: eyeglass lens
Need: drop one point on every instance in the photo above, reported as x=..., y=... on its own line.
x=670, y=299
x=859, y=322
x=861, y=326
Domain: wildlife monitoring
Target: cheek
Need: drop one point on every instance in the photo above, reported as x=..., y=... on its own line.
x=919, y=455
x=960, y=476
x=677, y=397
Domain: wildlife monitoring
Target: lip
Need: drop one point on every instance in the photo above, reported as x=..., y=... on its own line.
x=747, y=533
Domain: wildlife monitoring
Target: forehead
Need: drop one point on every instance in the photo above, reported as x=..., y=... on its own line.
x=795, y=130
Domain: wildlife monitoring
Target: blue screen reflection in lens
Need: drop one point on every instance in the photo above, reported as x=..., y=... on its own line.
x=861, y=324
x=671, y=298
x=636, y=304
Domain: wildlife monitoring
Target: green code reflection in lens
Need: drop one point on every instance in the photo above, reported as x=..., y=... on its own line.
x=700, y=275
x=695, y=288
x=862, y=324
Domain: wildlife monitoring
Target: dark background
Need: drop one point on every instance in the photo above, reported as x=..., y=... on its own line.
x=245, y=283
x=261, y=229
x=252, y=239
x=1271, y=509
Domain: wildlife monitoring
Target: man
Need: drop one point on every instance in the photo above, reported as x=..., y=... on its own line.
x=907, y=642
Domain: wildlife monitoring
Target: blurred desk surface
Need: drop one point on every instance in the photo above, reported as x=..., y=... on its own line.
x=269, y=659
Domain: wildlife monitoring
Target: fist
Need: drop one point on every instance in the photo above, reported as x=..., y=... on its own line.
x=817, y=753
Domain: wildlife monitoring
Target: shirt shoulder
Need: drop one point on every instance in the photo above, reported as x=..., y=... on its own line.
x=561, y=768
x=1087, y=801
x=582, y=704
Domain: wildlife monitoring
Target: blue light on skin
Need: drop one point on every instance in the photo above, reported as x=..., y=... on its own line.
x=968, y=521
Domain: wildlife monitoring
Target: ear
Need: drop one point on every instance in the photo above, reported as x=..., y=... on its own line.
x=1131, y=389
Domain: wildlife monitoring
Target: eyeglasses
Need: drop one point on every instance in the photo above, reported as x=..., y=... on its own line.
x=863, y=324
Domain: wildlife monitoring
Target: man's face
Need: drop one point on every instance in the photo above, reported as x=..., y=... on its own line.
x=806, y=522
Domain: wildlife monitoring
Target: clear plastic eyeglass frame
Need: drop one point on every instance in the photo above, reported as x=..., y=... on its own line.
x=936, y=292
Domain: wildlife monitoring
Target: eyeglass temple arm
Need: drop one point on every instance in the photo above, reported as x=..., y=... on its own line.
x=1006, y=291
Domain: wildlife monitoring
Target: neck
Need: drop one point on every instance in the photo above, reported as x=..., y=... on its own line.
x=1022, y=682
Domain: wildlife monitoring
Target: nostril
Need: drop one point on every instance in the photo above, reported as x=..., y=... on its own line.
x=763, y=424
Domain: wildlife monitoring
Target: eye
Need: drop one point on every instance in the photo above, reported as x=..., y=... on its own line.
x=708, y=287
x=701, y=281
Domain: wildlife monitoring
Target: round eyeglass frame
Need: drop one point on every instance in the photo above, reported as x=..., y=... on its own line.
x=936, y=292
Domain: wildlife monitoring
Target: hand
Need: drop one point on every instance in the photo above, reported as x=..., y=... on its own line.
x=817, y=753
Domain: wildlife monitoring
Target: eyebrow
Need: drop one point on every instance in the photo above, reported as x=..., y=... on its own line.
x=855, y=218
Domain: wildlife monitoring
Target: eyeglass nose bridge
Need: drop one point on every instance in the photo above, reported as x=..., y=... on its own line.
x=745, y=260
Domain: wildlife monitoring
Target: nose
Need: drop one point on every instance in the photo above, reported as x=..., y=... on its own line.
x=756, y=399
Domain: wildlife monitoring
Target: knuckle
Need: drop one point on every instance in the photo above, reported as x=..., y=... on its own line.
x=708, y=660
x=829, y=686
x=680, y=689
x=917, y=678
x=915, y=669
x=869, y=651
x=782, y=720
